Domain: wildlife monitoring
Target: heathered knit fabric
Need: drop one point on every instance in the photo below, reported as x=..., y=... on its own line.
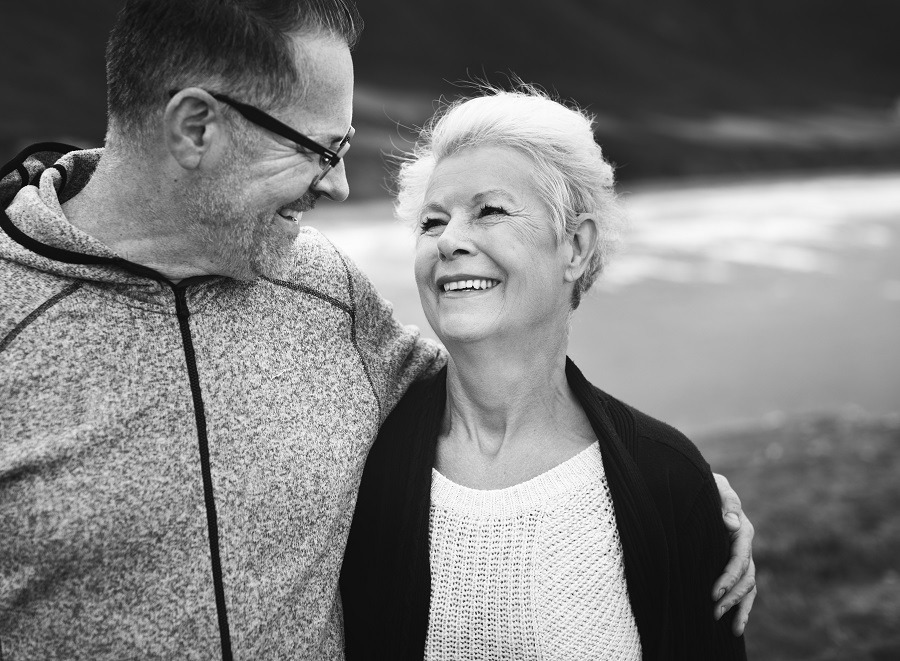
x=531, y=572
x=104, y=548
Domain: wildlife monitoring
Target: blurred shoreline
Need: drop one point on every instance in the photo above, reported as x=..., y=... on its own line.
x=735, y=299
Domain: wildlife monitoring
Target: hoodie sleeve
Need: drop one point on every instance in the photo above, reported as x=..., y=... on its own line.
x=393, y=355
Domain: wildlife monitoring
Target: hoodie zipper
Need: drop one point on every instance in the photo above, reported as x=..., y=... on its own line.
x=181, y=309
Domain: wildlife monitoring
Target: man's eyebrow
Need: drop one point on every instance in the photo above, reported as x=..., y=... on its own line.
x=335, y=140
x=330, y=142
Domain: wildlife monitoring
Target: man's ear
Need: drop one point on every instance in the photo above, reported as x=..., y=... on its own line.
x=193, y=126
x=583, y=245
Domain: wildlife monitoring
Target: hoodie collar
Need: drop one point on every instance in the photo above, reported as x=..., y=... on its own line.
x=35, y=230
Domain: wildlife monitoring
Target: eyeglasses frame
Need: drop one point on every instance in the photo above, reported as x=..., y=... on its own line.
x=264, y=120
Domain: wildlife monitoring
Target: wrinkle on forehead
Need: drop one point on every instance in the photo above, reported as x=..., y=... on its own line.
x=469, y=182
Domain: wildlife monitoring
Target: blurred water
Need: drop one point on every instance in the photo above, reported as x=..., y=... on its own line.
x=731, y=301
x=801, y=225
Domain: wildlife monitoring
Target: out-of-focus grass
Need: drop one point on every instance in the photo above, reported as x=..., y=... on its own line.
x=824, y=494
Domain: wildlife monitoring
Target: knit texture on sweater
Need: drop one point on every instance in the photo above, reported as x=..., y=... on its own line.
x=529, y=572
x=106, y=526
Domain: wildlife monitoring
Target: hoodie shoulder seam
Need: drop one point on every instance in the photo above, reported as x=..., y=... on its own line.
x=37, y=312
x=312, y=292
x=353, y=336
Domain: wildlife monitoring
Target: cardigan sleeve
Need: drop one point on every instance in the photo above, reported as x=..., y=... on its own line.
x=698, y=545
x=701, y=552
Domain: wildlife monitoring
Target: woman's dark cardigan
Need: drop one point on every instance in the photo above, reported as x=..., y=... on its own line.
x=667, y=511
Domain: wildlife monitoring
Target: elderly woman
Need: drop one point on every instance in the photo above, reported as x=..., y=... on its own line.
x=509, y=509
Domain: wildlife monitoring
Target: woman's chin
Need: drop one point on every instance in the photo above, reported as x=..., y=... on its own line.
x=462, y=331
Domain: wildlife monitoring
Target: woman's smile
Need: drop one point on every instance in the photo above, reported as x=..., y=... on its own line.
x=488, y=263
x=465, y=284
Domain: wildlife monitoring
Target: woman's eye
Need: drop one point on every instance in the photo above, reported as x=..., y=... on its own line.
x=429, y=223
x=490, y=210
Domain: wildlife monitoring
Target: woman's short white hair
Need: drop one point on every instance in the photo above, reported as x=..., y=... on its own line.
x=571, y=174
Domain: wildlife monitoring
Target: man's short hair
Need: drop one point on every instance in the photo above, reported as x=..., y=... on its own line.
x=242, y=47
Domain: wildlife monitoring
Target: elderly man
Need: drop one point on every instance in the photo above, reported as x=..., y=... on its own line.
x=190, y=380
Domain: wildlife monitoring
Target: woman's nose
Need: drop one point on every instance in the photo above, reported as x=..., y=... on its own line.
x=454, y=240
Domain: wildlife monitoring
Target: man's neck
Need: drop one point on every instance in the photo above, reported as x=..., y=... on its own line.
x=130, y=212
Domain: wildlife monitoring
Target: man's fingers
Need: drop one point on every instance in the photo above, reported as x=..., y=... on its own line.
x=732, y=522
x=731, y=503
x=741, y=592
x=737, y=584
x=738, y=563
x=742, y=614
x=735, y=570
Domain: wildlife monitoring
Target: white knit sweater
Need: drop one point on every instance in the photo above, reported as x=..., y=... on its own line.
x=533, y=571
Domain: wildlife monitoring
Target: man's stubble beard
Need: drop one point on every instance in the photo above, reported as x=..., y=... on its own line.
x=244, y=242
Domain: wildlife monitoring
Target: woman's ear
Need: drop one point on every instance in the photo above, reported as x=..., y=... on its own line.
x=583, y=245
x=193, y=124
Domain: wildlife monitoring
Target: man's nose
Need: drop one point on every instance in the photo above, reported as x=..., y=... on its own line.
x=334, y=183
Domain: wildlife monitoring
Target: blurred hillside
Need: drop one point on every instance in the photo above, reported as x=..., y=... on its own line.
x=822, y=492
x=683, y=87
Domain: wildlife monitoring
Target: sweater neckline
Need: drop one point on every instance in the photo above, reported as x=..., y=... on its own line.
x=583, y=469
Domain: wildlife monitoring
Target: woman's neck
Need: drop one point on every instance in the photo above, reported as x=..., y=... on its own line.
x=510, y=414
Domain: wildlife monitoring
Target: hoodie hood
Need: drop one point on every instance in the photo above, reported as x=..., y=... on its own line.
x=34, y=230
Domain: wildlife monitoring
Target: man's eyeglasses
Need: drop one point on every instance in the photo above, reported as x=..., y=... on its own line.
x=329, y=158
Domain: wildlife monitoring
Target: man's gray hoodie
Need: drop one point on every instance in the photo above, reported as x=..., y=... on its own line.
x=178, y=463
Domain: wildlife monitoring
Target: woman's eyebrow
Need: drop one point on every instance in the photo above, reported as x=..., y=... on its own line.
x=478, y=198
x=494, y=192
x=433, y=207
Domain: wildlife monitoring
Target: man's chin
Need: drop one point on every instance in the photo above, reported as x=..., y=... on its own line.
x=275, y=262
x=268, y=250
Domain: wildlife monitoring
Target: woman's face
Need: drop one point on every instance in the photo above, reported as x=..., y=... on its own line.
x=487, y=261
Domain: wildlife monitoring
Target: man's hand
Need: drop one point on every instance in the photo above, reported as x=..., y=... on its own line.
x=737, y=585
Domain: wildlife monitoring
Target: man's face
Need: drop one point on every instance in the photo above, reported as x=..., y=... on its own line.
x=253, y=204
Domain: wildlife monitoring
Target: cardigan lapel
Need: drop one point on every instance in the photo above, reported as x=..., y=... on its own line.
x=640, y=528
x=425, y=411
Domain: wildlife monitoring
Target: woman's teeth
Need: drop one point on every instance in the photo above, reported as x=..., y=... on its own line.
x=470, y=284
